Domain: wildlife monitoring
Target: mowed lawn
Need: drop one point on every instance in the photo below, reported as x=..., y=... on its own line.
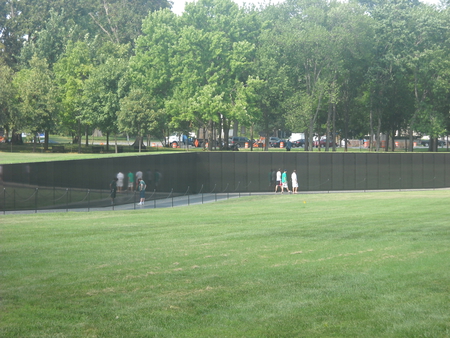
x=322, y=265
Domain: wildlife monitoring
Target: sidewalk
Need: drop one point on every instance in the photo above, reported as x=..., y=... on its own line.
x=187, y=200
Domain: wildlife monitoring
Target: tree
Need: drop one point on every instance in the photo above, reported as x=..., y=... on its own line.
x=138, y=115
x=72, y=70
x=38, y=98
x=9, y=114
x=101, y=91
x=150, y=72
x=211, y=63
x=121, y=20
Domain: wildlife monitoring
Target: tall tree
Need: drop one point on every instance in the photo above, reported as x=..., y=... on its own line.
x=101, y=90
x=71, y=71
x=138, y=115
x=38, y=98
x=211, y=63
x=9, y=114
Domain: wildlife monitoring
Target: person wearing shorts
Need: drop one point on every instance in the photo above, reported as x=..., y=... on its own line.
x=130, y=181
x=284, y=182
x=278, y=181
x=141, y=189
x=294, y=181
x=120, y=177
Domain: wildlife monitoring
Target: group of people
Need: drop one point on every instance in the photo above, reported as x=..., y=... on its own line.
x=116, y=185
x=280, y=179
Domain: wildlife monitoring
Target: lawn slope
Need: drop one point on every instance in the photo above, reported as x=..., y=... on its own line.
x=325, y=265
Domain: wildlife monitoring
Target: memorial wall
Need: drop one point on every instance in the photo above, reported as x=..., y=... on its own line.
x=194, y=172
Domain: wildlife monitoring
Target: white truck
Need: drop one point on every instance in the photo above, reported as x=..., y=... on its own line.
x=178, y=139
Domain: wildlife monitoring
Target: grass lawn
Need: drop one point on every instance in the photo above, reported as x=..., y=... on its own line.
x=325, y=265
x=10, y=158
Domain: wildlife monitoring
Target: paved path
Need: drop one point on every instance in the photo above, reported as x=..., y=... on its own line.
x=187, y=200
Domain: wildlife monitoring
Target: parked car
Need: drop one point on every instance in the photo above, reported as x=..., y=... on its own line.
x=426, y=143
x=237, y=141
x=275, y=142
x=298, y=143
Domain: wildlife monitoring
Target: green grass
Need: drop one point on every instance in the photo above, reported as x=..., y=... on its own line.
x=325, y=265
x=24, y=154
x=11, y=158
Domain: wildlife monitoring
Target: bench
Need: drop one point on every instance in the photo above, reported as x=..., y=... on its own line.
x=58, y=149
x=97, y=149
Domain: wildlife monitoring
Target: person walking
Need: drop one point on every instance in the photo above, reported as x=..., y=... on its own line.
x=130, y=181
x=294, y=181
x=141, y=189
x=284, y=182
x=278, y=181
x=120, y=177
x=138, y=176
x=288, y=145
x=113, y=188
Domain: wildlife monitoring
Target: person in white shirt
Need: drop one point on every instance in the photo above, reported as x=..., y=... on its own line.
x=278, y=181
x=120, y=177
x=294, y=181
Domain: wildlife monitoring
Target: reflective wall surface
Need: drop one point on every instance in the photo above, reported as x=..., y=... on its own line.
x=72, y=183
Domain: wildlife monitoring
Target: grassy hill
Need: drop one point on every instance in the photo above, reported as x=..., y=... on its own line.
x=325, y=265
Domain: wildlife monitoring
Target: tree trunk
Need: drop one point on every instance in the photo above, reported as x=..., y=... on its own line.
x=346, y=127
x=210, y=134
x=226, y=132
x=312, y=121
x=306, y=146
x=327, y=144
x=251, y=138
x=34, y=142
x=79, y=136
x=46, y=140
x=411, y=138
x=386, y=147
x=333, y=132
x=266, y=133
x=377, y=136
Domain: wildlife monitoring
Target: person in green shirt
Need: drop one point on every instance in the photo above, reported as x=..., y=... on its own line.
x=284, y=182
x=141, y=189
x=130, y=181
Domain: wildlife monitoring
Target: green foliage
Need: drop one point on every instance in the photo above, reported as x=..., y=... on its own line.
x=354, y=68
x=139, y=114
x=101, y=91
x=9, y=115
x=72, y=70
x=38, y=97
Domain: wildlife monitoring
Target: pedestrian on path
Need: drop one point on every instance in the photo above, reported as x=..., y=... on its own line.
x=294, y=181
x=284, y=182
x=278, y=181
x=113, y=188
x=130, y=181
x=141, y=189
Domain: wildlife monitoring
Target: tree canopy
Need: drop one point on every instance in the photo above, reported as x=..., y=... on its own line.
x=343, y=70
